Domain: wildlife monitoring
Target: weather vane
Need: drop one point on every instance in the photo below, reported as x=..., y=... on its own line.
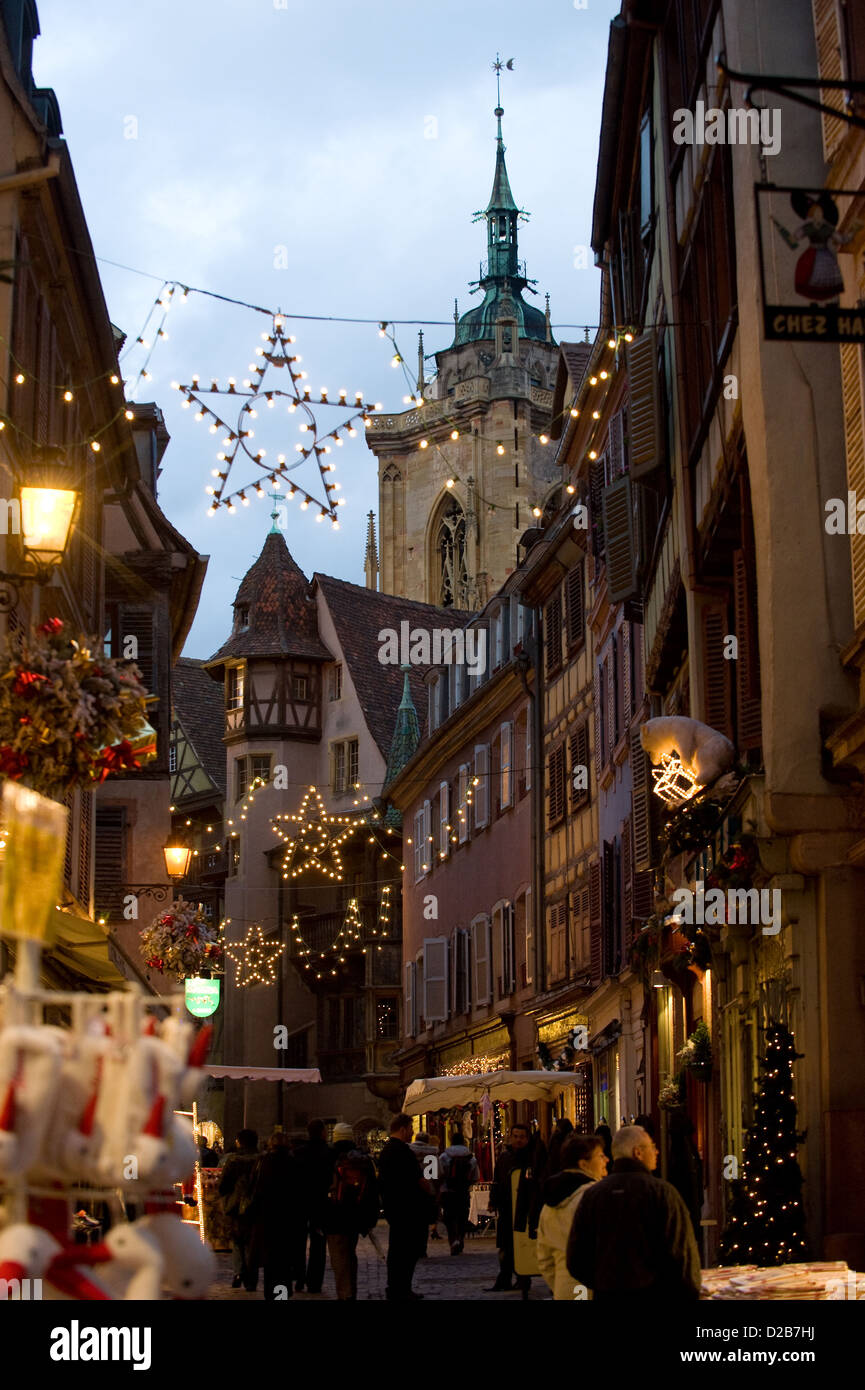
x=497, y=67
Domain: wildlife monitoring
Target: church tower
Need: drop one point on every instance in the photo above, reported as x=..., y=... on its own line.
x=461, y=471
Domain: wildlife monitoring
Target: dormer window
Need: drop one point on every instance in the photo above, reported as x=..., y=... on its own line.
x=242, y=617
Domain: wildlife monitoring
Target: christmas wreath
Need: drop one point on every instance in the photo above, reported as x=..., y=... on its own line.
x=69, y=715
x=181, y=942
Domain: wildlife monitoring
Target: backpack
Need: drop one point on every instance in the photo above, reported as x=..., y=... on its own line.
x=459, y=1175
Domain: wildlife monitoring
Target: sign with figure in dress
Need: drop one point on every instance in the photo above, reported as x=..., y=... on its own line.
x=809, y=247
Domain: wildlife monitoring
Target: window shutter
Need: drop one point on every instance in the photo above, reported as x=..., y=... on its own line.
x=595, y=919
x=827, y=27
x=643, y=898
x=644, y=417
x=462, y=803
x=553, y=633
x=418, y=845
x=575, y=607
x=444, y=818
x=640, y=801
x=558, y=922
x=596, y=489
x=613, y=694
x=481, y=939
x=619, y=532
x=579, y=750
x=467, y=969
x=506, y=759
x=136, y=620
x=627, y=679
x=482, y=790
x=854, y=431
x=109, y=869
x=435, y=979
x=748, y=703
x=627, y=881
x=616, y=445
x=428, y=848
x=530, y=938
x=716, y=669
x=556, y=767
x=410, y=1000
x=530, y=710
x=599, y=725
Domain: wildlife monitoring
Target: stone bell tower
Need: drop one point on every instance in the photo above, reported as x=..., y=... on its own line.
x=460, y=471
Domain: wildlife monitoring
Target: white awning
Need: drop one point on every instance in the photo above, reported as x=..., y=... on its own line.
x=441, y=1092
x=309, y=1075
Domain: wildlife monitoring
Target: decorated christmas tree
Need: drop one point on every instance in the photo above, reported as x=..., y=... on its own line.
x=765, y=1223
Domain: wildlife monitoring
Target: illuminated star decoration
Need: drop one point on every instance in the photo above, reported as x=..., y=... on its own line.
x=313, y=838
x=256, y=958
x=276, y=353
x=674, y=780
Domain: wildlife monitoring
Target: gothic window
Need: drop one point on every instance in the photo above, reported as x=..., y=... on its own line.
x=391, y=474
x=449, y=559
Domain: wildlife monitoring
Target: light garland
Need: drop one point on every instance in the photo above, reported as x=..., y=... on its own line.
x=477, y=1066
x=256, y=959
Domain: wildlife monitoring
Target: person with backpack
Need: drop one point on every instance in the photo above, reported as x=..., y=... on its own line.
x=459, y=1172
x=350, y=1210
x=237, y=1189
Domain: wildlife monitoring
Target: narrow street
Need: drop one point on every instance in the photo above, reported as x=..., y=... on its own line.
x=440, y=1276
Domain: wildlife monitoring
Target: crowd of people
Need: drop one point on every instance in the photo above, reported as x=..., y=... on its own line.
x=587, y=1213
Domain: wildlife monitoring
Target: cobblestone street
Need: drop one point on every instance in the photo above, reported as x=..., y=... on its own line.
x=439, y=1276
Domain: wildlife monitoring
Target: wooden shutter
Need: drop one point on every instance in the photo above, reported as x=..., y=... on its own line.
x=508, y=963
x=579, y=750
x=828, y=31
x=506, y=766
x=627, y=679
x=644, y=418
x=553, y=633
x=748, y=702
x=599, y=723
x=558, y=925
x=481, y=941
x=575, y=606
x=428, y=847
x=444, y=818
x=616, y=445
x=109, y=868
x=854, y=433
x=530, y=938
x=136, y=620
x=716, y=669
x=596, y=490
x=608, y=909
x=627, y=882
x=556, y=767
x=481, y=795
x=435, y=979
x=619, y=533
x=595, y=924
x=418, y=845
x=410, y=1000
x=640, y=802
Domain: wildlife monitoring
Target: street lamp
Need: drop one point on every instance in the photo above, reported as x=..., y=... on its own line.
x=43, y=514
x=177, y=857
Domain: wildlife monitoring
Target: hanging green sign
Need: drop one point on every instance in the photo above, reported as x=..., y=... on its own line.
x=202, y=997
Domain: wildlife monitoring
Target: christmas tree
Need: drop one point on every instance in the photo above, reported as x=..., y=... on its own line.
x=765, y=1218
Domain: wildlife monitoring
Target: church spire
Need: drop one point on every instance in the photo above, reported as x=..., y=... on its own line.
x=370, y=559
x=406, y=733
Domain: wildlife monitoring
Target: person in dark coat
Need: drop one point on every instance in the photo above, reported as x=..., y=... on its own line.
x=351, y=1210
x=407, y=1205
x=684, y=1165
x=236, y=1189
x=554, y=1158
x=606, y=1134
x=315, y=1161
x=278, y=1214
x=529, y=1155
x=632, y=1235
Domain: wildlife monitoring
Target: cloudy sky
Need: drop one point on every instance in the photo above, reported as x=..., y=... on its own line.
x=324, y=160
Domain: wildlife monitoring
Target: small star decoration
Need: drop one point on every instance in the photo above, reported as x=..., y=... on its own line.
x=256, y=958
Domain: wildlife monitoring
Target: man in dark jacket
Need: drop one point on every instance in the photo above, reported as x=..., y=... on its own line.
x=236, y=1187
x=632, y=1235
x=527, y=1154
x=314, y=1161
x=406, y=1203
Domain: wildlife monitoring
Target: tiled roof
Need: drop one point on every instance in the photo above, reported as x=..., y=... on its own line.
x=573, y=360
x=282, y=619
x=359, y=615
x=199, y=706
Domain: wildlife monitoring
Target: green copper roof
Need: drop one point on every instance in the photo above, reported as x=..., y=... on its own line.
x=406, y=733
x=503, y=275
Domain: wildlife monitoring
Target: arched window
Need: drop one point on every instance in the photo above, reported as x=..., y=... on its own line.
x=450, y=578
x=391, y=474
